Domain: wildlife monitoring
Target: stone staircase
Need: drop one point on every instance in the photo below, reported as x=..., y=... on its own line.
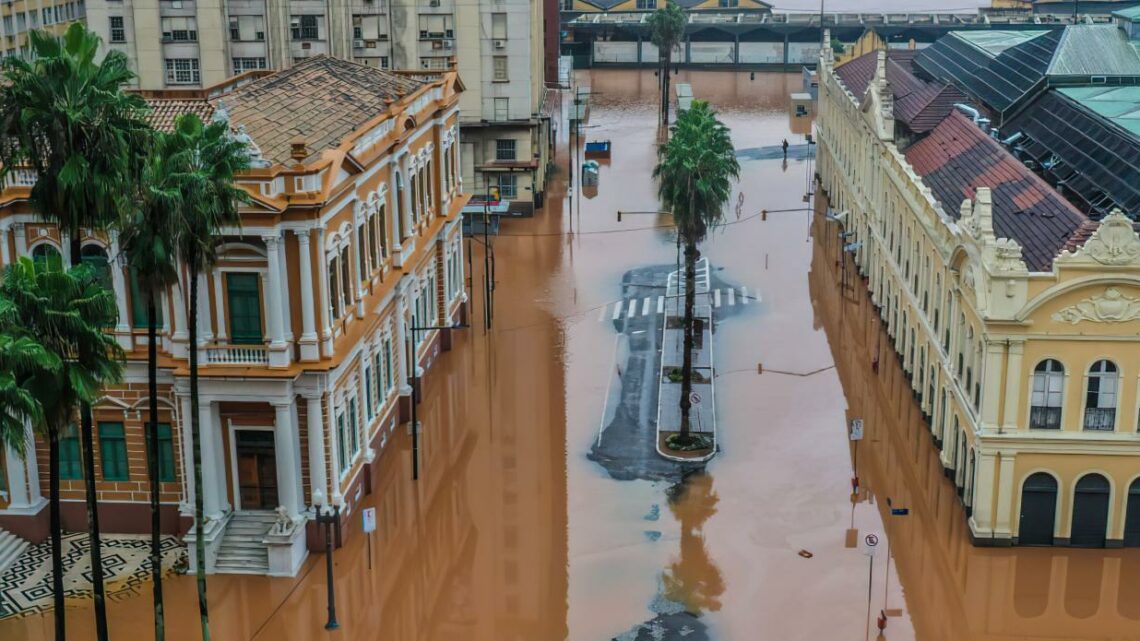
x=241, y=550
x=11, y=547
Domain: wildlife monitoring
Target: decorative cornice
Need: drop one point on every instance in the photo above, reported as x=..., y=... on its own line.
x=1113, y=243
x=1110, y=307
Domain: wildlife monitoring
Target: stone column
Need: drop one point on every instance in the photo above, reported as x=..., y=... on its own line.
x=985, y=464
x=214, y=462
x=187, y=454
x=181, y=333
x=219, y=306
x=285, y=293
x=65, y=248
x=1006, y=484
x=278, y=348
x=991, y=384
x=19, y=494
x=326, y=303
x=118, y=283
x=5, y=255
x=318, y=467
x=1013, y=380
x=310, y=351
x=284, y=441
x=205, y=324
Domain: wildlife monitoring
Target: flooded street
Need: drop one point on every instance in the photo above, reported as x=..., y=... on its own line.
x=513, y=533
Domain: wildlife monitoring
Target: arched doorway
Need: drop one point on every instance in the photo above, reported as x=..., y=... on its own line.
x=1090, y=512
x=1038, y=510
x=1132, y=516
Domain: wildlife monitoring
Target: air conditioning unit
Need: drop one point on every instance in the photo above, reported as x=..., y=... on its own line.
x=382, y=36
x=448, y=44
x=500, y=44
x=433, y=3
x=358, y=44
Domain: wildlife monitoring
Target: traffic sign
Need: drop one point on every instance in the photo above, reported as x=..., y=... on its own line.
x=871, y=540
x=369, y=515
x=857, y=429
x=694, y=398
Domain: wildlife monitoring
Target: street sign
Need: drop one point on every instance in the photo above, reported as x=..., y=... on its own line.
x=369, y=515
x=694, y=398
x=857, y=429
x=871, y=540
x=900, y=511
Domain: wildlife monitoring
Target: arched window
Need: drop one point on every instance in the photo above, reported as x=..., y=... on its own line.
x=96, y=257
x=47, y=256
x=1100, y=399
x=399, y=220
x=1046, y=397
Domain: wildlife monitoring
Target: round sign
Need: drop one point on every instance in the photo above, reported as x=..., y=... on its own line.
x=871, y=540
x=694, y=398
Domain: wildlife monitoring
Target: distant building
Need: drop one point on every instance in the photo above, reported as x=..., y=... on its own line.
x=496, y=45
x=1015, y=314
x=352, y=238
x=17, y=18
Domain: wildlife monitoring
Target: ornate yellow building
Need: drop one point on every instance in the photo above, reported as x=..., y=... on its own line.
x=1016, y=317
x=353, y=236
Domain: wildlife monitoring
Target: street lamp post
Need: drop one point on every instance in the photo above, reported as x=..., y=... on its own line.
x=414, y=368
x=329, y=517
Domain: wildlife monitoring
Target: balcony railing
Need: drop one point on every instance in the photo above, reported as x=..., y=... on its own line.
x=1100, y=419
x=1045, y=418
x=237, y=355
x=20, y=178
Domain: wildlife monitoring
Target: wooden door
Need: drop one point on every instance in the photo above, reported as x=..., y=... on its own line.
x=257, y=469
x=1090, y=512
x=1038, y=510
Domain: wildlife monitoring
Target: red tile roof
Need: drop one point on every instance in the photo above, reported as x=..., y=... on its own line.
x=919, y=105
x=164, y=111
x=957, y=157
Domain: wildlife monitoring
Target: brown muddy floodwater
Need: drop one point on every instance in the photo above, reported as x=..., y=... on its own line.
x=514, y=534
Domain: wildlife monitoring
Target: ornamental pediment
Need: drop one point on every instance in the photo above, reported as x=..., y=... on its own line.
x=1111, y=306
x=1114, y=243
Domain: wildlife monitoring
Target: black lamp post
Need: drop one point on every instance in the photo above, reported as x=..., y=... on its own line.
x=329, y=517
x=413, y=375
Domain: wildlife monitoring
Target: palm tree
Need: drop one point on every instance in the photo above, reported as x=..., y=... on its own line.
x=695, y=176
x=63, y=112
x=666, y=29
x=203, y=160
x=67, y=312
x=693, y=579
x=21, y=359
x=147, y=242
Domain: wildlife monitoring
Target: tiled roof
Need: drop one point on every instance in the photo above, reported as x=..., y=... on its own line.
x=920, y=105
x=957, y=158
x=320, y=99
x=164, y=111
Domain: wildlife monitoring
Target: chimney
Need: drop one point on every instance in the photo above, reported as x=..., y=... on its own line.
x=297, y=150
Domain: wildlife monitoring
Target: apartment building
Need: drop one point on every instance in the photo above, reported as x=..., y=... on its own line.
x=1014, y=313
x=17, y=18
x=497, y=45
x=353, y=236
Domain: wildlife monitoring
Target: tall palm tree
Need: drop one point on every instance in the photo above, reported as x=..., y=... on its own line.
x=149, y=246
x=64, y=113
x=21, y=359
x=204, y=159
x=666, y=29
x=67, y=312
x=695, y=175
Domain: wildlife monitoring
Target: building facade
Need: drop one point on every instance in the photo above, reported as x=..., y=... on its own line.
x=497, y=46
x=352, y=237
x=17, y=18
x=1014, y=315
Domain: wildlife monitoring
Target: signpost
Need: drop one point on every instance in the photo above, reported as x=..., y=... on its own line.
x=369, y=516
x=694, y=398
x=871, y=540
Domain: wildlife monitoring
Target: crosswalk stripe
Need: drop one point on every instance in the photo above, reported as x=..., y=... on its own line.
x=617, y=310
x=716, y=298
x=660, y=304
x=743, y=295
x=632, y=309
x=645, y=307
x=731, y=296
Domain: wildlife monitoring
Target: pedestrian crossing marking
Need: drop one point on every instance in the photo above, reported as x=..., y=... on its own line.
x=617, y=310
x=660, y=304
x=716, y=298
x=731, y=296
x=743, y=295
x=645, y=307
x=632, y=308
x=727, y=297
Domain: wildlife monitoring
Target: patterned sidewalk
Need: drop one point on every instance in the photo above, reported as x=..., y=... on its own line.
x=26, y=587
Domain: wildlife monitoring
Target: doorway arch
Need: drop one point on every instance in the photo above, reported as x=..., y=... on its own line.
x=1090, y=512
x=1132, y=515
x=1038, y=510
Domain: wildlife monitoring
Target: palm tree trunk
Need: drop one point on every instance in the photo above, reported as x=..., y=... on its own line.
x=196, y=436
x=665, y=94
x=153, y=467
x=87, y=429
x=56, y=536
x=687, y=359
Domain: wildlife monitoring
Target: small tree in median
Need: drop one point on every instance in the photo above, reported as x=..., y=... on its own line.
x=695, y=175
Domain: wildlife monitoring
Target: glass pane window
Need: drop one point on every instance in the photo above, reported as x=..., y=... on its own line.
x=245, y=308
x=70, y=465
x=118, y=29
x=505, y=149
x=305, y=28
x=165, y=451
x=180, y=29
x=242, y=65
x=508, y=186
x=1046, y=395
x=342, y=442
x=353, y=425
x=500, y=69
x=183, y=71
x=113, y=448
x=368, y=390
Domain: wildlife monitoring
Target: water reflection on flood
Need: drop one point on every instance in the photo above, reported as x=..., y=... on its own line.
x=955, y=591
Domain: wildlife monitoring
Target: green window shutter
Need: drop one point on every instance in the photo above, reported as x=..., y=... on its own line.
x=70, y=467
x=368, y=392
x=353, y=425
x=341, y=443
x=113, y=446
x=245, y=309
x=138, y=305
x=165, y=451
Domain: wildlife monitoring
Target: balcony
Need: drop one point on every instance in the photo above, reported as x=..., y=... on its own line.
x=1045, y=418
x=1100, y=419
x=246, y=355
x=20, y=178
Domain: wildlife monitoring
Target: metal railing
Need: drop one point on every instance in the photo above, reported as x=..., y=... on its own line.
x=237, y=355
x=1100, y=419
x=1045, y=418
